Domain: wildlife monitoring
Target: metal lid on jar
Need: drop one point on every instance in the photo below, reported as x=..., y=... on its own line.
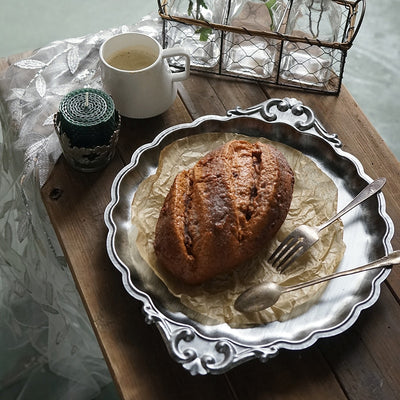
x=88, y=117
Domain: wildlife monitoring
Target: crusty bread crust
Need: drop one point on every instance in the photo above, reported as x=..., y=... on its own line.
x=223, y=211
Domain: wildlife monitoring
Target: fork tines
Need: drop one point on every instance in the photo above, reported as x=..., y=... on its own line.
x=288, y=251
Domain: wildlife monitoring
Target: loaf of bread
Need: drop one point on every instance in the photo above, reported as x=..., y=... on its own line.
x=223, y=211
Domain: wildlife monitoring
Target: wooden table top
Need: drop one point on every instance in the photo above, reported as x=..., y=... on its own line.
x=361, y=363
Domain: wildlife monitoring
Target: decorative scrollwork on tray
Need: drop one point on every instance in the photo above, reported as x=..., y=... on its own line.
x=288, y=110
x=331, y=137
x=203, y=355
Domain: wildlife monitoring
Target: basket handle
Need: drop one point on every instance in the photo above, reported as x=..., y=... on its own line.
x=360, y=19
x=161, y=6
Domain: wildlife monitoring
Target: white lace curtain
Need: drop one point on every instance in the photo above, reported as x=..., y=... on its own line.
x=44, y=329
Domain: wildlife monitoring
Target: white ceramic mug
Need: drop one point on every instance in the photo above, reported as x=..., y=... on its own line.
x=146, y=92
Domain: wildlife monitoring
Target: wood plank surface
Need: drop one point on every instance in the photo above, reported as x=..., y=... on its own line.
x=361, y=363
x=349, y=366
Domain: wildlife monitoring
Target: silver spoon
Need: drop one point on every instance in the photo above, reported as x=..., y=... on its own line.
x=264, y=295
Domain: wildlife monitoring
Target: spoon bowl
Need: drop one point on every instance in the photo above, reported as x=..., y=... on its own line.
x=259, y=297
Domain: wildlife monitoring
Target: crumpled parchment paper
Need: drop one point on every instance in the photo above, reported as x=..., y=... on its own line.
x=314, y=201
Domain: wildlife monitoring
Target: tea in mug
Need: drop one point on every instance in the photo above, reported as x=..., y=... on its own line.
x=132, y=59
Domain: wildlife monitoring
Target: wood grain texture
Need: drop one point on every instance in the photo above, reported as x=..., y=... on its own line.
x=361, y=363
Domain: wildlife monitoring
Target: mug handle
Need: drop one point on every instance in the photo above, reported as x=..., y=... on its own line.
x=174, y=52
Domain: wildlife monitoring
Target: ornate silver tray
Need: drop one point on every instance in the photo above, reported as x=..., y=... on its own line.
x=368, y=230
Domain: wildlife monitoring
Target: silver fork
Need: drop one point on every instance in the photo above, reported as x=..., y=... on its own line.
x=303, y=237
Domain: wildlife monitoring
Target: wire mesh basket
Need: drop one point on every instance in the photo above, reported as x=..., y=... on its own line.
x=258, y=41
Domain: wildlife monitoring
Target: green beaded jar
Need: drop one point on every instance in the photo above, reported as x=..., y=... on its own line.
x=88, y=128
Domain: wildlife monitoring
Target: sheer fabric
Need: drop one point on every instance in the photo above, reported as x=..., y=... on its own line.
x=44, y=329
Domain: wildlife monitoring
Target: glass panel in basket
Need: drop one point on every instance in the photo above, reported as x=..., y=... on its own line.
x=307, y=64
x=254, y=55
x=203, y=43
